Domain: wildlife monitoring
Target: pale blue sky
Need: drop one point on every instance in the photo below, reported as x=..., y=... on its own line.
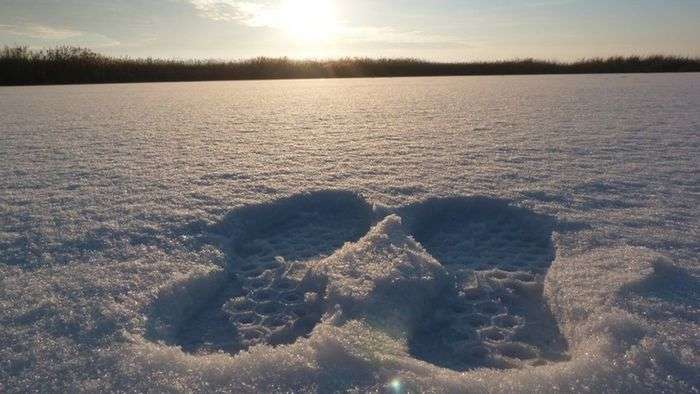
x=437, y=30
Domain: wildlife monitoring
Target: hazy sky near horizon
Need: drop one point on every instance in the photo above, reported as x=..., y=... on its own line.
x=443, y=30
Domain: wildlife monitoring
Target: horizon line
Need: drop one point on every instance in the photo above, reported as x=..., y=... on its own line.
x=75, y=65
x=35, y=49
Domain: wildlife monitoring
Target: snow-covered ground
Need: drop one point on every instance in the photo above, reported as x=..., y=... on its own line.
x=492, y=234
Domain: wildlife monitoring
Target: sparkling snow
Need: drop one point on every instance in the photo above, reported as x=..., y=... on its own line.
x=477, y=234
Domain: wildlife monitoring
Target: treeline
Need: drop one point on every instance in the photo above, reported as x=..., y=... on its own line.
x=69, y=65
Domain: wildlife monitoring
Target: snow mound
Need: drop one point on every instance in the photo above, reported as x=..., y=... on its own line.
x=386, y=278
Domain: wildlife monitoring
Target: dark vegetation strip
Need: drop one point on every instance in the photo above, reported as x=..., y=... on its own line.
x=68, y=65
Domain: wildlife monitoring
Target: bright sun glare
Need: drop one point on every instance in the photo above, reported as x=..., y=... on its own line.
x=309, y=21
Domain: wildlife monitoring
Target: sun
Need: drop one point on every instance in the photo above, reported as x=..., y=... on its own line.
x=309, y=21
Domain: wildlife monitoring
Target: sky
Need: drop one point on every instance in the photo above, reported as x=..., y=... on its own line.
x=442, y=30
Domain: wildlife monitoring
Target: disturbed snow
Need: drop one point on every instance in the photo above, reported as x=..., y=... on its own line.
x=404, y=235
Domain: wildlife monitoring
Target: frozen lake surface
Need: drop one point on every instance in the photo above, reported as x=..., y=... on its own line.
x=476, y=234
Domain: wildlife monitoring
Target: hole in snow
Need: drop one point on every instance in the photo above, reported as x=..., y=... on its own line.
x=214, y=313
x=487, y=237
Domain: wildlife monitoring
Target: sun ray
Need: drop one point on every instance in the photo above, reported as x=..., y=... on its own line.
x=309, y=21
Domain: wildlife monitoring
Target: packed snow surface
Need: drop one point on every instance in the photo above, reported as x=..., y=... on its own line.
x=477, y=234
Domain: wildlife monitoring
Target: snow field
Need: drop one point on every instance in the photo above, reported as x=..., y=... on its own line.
x=169, y=237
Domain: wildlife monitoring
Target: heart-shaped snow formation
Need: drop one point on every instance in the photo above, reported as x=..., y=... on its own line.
x=458, y=280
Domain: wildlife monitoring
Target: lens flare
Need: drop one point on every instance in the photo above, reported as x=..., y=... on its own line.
x=395, y=385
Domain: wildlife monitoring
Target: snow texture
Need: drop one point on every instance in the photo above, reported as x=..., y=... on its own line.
x=490, y=234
